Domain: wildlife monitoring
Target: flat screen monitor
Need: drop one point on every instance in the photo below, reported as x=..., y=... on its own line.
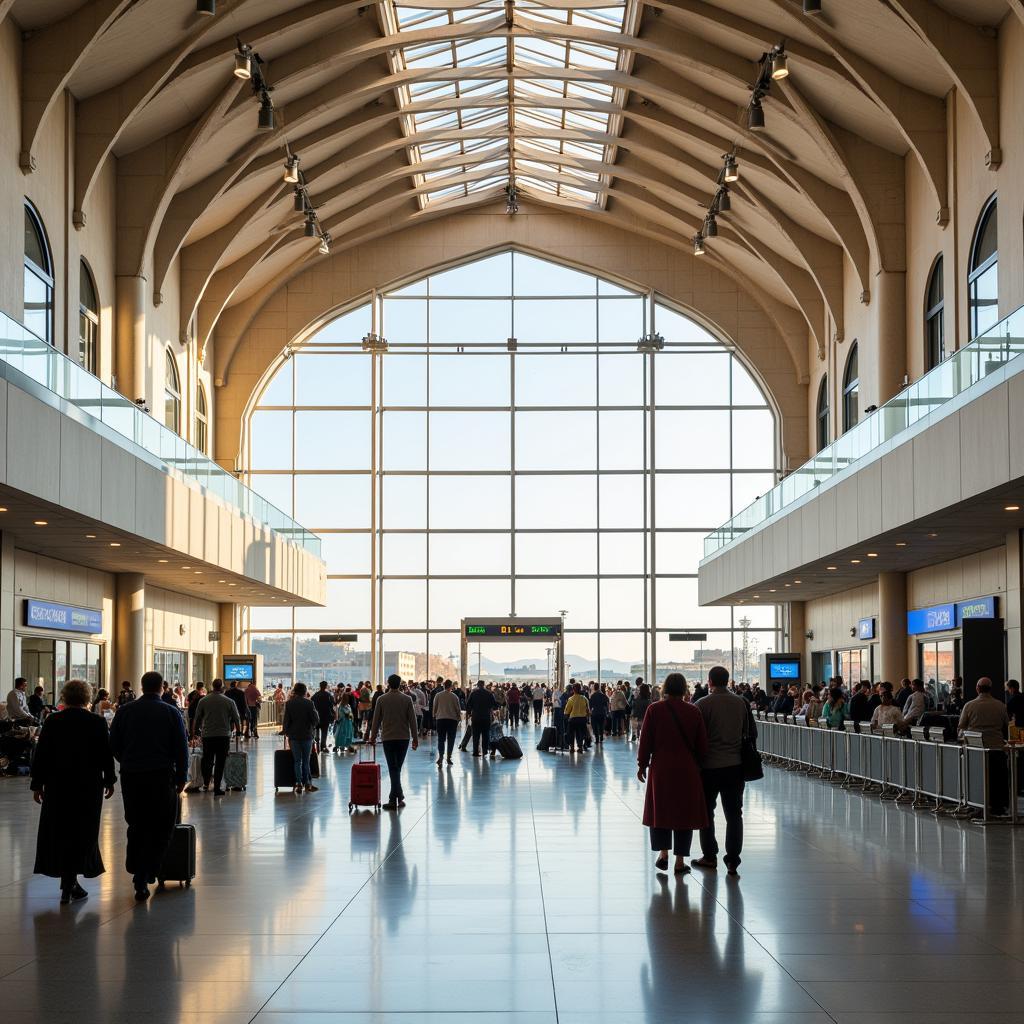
x=241, y=671
x=784, y=670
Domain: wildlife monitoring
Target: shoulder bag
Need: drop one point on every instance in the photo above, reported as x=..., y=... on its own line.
x=750, y=756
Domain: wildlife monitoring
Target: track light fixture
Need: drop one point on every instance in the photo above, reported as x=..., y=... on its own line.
x=724, y=202
x=812, y=6
x=206, y=7
x=291, y=169
x=266, y=118
x=310, y=230
x=300, y=201
x=325, y=244
x=243, y=62
x=512, y=198
x=773, y=67
x=698, y=245
x=732, y=169
x=755, y=115
x=710, y=226
x=780, y=64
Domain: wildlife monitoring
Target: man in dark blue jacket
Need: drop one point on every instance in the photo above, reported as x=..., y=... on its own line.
x=148, y=739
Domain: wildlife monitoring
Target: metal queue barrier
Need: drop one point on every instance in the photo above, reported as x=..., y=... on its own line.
x=945, y=778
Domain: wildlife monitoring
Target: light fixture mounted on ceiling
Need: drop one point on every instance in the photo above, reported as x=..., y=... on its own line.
x=511, y=198
x=698, y=245
x=243, y=62
x=812, y=6
x=208, y=8
x=291, y=169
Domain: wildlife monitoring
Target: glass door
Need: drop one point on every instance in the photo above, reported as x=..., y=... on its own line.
x=939, y=660
x=38, y=664
x=854, y=665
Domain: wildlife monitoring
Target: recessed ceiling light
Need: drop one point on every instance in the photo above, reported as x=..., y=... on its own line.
x=2, y=509
x=222, y=581
x=771, y=591
x=933, y=535
x=232, y=584
x=1012, y=508
x=186, y=567
x=831, y=568
x=854, y=561
x=798, y=581
x=872, y=554
x=901, y=543
x=198, y=572
x=162, y=561
x=115, y=544
x=41, y=522
x=787, y=584
x=756, y=596
x=90, y=536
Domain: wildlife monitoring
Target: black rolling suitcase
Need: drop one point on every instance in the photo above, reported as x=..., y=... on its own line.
x=548, y=738
x=179, y=861
x=508, y=747
x=284, y=767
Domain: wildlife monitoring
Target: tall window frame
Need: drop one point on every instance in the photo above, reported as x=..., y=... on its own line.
x=851, y=390
x=88, y=320
x=512, y=478
x=935, y=317
x=39, y=277
x=822, y=415
x=983, y=272
x=202, y=424
x=172, y=393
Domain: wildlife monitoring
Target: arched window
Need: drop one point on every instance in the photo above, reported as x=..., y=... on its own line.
x=934, y=319
x=823, y=411
x=201, y=419
x=88, y=320
x=983, y=279
x=851, y=391
x=38, y=277
x=172, y=394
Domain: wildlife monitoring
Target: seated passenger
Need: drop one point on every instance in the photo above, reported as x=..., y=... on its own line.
x=888, y=714
x=834, y=712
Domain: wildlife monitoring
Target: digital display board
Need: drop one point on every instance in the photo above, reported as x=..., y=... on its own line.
x=784, y=670
x=931, y=620
x=241, y=671
x=513, y=630
x=866, y=629
x=66, y=617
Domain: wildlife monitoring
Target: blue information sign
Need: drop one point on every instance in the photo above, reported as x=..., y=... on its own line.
x=784, y=670
x=242, y=671
x=866, y=629
x=932, y=620
x=65, y=617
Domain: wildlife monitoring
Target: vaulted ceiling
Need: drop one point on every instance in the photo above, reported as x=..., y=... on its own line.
x=402, y=112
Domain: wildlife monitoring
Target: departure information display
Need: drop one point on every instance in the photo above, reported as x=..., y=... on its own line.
x=513, y=629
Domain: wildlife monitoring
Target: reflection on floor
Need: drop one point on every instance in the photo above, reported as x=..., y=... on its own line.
x=522, y=892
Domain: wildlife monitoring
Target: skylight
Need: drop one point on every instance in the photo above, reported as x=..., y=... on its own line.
x=482, y=106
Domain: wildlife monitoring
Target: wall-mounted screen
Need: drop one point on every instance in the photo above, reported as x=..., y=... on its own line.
x=240, y=671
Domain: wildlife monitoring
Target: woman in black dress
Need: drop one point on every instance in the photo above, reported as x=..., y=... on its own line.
x=72, y=771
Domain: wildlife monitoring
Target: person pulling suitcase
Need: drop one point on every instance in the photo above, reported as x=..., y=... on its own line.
x=395, y=719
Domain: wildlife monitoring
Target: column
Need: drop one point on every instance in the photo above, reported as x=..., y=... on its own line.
x=228, y=643
x=130, y=337
x=890, y=302
x=1011, y=608
x=892, y=626
x=795, y=627
x=129, y=629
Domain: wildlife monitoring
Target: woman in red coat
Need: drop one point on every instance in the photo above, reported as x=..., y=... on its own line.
x=673, y=742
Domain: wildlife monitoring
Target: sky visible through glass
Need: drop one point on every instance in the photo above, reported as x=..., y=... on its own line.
x=513, y=482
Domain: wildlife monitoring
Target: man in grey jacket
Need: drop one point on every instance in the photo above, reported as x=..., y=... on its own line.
x=726, y=718
x=300, y=724
x=216, y=719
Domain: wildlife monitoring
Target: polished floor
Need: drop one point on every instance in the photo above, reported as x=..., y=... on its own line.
x=523, y=893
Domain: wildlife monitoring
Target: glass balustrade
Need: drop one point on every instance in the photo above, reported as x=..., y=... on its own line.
x=135, y=430
x=956, y=375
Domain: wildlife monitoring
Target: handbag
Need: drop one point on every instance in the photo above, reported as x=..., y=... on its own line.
x=750, y=756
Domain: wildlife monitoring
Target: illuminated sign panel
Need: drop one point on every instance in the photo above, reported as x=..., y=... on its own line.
x=513, y=629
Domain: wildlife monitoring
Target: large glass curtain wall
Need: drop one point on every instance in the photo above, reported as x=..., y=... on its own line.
x=460, y=473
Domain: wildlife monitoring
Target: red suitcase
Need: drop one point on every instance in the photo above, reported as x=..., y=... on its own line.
x=365, y=791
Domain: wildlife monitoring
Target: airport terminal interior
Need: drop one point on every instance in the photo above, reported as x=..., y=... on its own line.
x=527, y=344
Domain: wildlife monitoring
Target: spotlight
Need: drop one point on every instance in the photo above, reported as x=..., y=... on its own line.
x=207, y=7
x=724, y=202
x=812, y=6
x=300, y=201
x=755, y=115
x=780, y=64
x=266, y=120
x=291, y=170
x=512, y=199
x=310, y=228
x=325, y=245
x=732, y=168
x=710, y=227
x=698, y=245
x=243, y=62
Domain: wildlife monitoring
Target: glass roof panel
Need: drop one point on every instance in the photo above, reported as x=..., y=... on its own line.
x=509, y=106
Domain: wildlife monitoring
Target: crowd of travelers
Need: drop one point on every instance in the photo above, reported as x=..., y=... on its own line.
x=694, y=747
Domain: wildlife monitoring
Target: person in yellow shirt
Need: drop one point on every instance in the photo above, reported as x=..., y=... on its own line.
x=577, y=709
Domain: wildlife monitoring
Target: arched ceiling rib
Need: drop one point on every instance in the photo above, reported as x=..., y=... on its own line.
x=617, y=109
